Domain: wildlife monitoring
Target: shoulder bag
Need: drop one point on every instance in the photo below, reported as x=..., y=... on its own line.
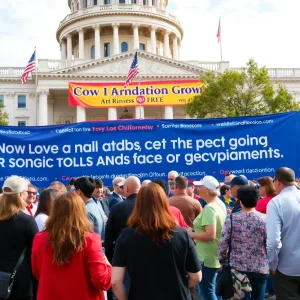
x=7, y=279
x=224, y=283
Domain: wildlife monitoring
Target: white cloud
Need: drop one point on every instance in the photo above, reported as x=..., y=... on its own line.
x=26, y=24
x=266, y=30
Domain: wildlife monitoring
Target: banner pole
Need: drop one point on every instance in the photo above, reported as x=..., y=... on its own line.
x=139, y=84
x=36, y=86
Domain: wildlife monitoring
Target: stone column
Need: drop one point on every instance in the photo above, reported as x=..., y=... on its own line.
x=116, y=39
x=81, y=43
x=51, y=102
x=139, y=112
x=97, y=41
x=153, y=39
x=112, y=113
x=43, y=107
x=167, y=44
x=179, y=51
x=80, y=114
x=136, y=39
x=63, y=49
x=69, y=47
x=169, y=112
x=175, y=47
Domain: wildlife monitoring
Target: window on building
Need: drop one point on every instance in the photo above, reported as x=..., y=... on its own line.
x=22, y=101
x=95, y=2
x=106, y=49
x=133, y=1
x=124, y=47
x=1, y=100
x=85, y=3
x=144, y=2
x=93, y=52
x=142, y=47
x=106, y=1
x=22, y=123
x=78, y=5
x=153, y=2
x=122, y=1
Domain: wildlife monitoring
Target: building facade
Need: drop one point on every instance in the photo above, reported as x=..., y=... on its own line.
x=98, y=40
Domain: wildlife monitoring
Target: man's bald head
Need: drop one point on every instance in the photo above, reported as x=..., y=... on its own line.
x=132, y=185
x=284, y=177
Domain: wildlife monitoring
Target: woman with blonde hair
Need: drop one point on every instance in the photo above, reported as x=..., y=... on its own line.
x=67, y=257
x=159, y=256
x=17, y=231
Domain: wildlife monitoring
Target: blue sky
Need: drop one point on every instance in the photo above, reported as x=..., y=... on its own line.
x=266, y=30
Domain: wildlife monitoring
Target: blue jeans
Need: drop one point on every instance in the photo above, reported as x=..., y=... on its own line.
x=258, y=283
x=207, y=287
x=270, y=286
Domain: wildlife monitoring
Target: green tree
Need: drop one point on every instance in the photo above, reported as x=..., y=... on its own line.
x=3, y=117
x=247, y=92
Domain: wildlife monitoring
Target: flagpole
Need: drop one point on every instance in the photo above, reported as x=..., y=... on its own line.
x=139, y=84
x=36, y=86
x=220, y=39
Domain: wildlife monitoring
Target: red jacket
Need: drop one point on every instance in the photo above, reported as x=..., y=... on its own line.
x=85, y=277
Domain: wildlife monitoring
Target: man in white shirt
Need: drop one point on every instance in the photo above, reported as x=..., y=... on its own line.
x=30, y=201
x=283, y=235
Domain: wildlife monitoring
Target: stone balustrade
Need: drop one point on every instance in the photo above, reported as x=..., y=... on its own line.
x=119, y=7
x=49, y=65
x=11, y=72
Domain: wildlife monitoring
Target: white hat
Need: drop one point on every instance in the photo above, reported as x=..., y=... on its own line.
x=15, y=184
x=209, y=182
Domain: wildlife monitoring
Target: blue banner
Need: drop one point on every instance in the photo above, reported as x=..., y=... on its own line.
x=252, y=146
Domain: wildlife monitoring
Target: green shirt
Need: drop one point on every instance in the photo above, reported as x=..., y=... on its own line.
x=214, y=213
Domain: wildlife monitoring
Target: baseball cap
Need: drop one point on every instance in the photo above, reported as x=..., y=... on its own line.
x=239, y=180
x=14, y=185
x=209, y=182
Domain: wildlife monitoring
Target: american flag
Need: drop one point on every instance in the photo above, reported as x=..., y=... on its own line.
x=133, y=71
x=29, y=68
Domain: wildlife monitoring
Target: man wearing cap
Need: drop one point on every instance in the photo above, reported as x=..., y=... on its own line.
x=228, y=178
x=117, y=195
x=283, y=235
x=235, y=184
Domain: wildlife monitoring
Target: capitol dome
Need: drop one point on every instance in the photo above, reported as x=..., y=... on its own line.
x=101, y=28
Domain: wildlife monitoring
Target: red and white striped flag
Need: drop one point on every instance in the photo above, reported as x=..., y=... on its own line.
x=219, y=32
x=133, y=71
x=29, y=68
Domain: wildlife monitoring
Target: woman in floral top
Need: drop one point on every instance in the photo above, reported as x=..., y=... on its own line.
x=248, y=242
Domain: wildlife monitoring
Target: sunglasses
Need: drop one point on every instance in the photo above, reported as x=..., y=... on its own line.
x=31, y=193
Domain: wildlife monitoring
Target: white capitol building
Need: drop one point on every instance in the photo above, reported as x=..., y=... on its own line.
x=98, y=40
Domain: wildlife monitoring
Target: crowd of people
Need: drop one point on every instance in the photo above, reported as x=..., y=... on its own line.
x=151, y=240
